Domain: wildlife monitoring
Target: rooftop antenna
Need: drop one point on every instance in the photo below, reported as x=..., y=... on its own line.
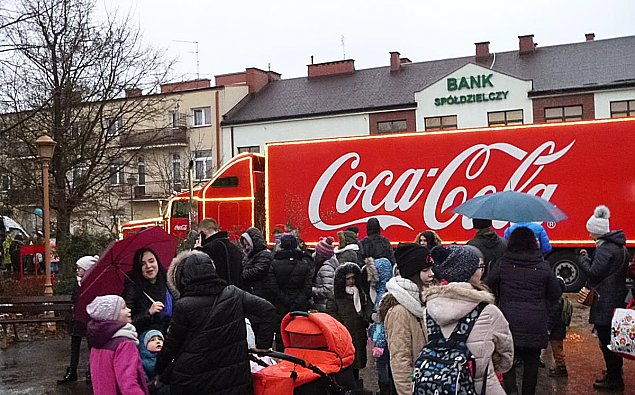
x=198, y=74
x=343, y=48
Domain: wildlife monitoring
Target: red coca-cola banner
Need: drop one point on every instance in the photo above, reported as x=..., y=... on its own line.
x=411, y=182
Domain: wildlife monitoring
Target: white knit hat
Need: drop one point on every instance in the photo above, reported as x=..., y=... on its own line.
x=598, y=224
x=105, y=308
x=86, y=262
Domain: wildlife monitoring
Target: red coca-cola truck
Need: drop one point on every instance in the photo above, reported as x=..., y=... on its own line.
x=411, y=182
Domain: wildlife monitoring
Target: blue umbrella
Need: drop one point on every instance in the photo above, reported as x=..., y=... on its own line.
x=511, y=206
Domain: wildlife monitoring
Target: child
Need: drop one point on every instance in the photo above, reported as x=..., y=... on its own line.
x=557, y=326
x=78, y=328
x=351, y=307
x=115, y=364
x=149, y=349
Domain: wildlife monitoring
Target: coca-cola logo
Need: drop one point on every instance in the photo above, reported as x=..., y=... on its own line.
x=180, y=227
x=359, y=191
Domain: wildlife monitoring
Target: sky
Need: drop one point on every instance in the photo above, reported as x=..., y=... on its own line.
x=282, y=35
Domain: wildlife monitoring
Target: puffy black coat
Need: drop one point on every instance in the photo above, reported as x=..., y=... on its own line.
x=289, y=281
x=524, y=286
x=219, y=248
x=78, y=327
x=375, y=245
x=207, y=336
x=256, y=264
x=490, y=244
x=556, y=325
x=607, y=273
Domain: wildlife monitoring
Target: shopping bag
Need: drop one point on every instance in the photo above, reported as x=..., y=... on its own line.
x=623, y=331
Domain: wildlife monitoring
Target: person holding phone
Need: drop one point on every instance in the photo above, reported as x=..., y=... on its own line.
x=226, y=255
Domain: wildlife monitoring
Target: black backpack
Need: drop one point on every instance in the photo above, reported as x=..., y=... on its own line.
x=445, y=365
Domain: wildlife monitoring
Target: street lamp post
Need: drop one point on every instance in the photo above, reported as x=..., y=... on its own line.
x=45, y=149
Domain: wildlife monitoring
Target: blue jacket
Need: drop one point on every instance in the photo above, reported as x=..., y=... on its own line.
x=539, y=231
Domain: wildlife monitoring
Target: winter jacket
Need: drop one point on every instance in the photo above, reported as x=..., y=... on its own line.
x=323, y=282
x=289, y=282
x=207, y=336
x=348, y=253
x=491, y=245
x=539, y=231
x=256, y=264
x=78, y=327
x=490, y=340
x=556, y=326
x=607, y=274
x=402, y=314
x=377, y=281
x=524, y=285
x=148, y=361
x=136, y=291
x=342, y=308
x=115, y=365
x=219, y=248
x=375, y=245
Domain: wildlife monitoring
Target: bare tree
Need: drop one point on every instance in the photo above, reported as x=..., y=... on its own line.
x=80, y=81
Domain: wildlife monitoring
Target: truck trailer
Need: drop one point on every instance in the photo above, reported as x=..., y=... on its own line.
x=411, y=182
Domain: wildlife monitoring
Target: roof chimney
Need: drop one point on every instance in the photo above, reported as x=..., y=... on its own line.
x=590, y=36
x=346, y=66
x=526, y=44
x=254, y=78
x=133, y=92
x=482, y=51
x=395, y=63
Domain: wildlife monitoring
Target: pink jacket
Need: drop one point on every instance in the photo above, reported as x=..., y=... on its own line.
x=115, y=364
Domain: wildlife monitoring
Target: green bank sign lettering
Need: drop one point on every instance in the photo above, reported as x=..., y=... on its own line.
x=468, y=83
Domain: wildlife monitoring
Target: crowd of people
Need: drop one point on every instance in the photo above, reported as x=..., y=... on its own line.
x=183, y=330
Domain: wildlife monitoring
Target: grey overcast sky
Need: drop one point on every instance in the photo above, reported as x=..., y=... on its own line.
x=236, y=34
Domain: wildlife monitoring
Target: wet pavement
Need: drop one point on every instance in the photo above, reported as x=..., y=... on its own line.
x=33, y=366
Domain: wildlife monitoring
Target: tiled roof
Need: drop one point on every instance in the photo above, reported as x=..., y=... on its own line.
x=578, y=66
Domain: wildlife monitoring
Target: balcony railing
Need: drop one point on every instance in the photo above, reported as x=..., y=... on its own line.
x=155, y=138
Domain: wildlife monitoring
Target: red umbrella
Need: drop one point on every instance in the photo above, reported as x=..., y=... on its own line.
x=108, y=274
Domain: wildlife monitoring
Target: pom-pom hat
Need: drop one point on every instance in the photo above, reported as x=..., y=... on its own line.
x=105, y=308
x=324, y=247
x=455, y=263
x=598, y=224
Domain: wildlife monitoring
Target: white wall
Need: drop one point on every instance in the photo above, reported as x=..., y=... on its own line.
x=474, y=114
x=300, y=129
x=603, y=101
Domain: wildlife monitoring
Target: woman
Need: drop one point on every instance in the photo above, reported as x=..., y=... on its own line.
x=256, y=263
x=607, y=273
x=524, y=286
x=207, y=338
x=401, y=311
x=428, y=239
x=351, y=307
x=146, y=292
x=490, y=340
x=325, y=265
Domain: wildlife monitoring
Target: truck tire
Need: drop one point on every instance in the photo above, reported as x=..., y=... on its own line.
x=565, y=264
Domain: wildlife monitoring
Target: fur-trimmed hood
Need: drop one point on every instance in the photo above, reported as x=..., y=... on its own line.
x=449, y=303
x=339, y=284
x=193, y=273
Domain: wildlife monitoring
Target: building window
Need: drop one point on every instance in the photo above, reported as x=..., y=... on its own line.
x=141, y=171
x=176, y=171
x=114, y=127
x=116, y=174
x=251, y=148
x=392, y=126
x=202, y=116
x=203, y=165
x=447, y=122
x=500, y=118
x=5, y=182
x=563, y=114
x=621, y=109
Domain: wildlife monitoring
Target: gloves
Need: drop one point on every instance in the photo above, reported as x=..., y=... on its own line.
x=378, y=352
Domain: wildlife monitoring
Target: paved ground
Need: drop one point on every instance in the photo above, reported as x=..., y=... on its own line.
x=33, y=366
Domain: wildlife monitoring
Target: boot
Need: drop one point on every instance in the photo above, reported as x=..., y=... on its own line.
x=88, y=379
x=558, y=371
x=70, y=375
x=610, y=385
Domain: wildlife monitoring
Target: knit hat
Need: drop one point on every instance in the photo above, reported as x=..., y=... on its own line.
x=105, y=308
x=479, y=223
x=325, y=247
x=288, y=242
x=150, y=334
x=86, y=262
x=412, y=258
x=454, y=263
x=598, y=224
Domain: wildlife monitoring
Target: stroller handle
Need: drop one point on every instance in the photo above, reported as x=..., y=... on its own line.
x=290, y=358
x=299, y=313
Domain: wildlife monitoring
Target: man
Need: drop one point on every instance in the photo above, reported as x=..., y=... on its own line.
x=491, y=245
x=225, y=254
x=374, y=245
x=539, y=231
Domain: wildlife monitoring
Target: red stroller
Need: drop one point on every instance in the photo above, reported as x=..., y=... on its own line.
x=317, y=358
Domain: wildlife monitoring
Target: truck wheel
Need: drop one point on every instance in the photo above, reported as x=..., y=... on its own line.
x=565, y=264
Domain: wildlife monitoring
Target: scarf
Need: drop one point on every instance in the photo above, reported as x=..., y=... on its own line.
x=356, y=301
x=407, y=294
x=128, y=331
